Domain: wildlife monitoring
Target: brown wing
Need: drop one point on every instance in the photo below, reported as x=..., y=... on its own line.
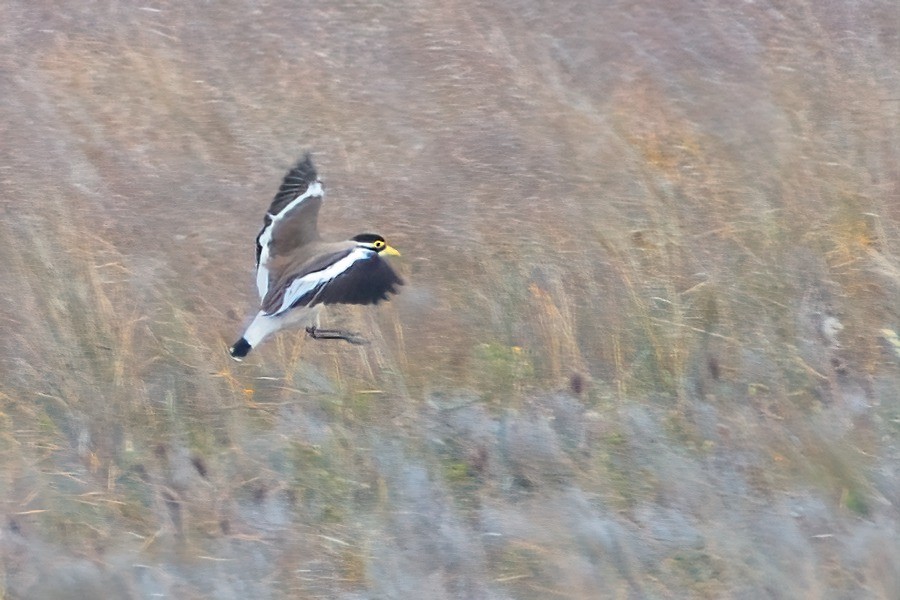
x=292, y=219
x=349, y=276
x=297, y=282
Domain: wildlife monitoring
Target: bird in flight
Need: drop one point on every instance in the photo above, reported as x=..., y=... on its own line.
x=297, y=272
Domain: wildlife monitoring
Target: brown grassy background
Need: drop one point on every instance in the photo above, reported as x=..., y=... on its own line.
x=647, y=349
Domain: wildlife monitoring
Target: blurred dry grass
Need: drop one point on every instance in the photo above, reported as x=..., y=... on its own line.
x=647, y=348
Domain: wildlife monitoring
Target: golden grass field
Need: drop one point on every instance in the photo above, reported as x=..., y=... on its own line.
x=649, y=344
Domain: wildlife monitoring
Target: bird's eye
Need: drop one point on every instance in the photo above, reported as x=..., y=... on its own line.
x=379, y=244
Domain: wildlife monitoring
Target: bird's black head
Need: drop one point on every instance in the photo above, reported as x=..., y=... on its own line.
x=375, y=242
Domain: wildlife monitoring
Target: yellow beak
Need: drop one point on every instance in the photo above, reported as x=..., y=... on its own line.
x=390, y=251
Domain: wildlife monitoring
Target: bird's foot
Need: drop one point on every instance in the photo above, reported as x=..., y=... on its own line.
x=335, y=334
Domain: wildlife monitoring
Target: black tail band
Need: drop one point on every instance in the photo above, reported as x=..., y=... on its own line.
x=240, y=349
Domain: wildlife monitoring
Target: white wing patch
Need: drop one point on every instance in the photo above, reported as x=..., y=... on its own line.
x=303, y=285
x=262, y=275
x=265, y=237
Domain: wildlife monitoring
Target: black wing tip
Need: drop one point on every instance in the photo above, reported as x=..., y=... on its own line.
x=304, y=169
x=240, y=349
x=297, y=180
x=393, y=289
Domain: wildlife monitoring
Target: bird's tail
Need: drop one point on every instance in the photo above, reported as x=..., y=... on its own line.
x=240, y=349
x=259, y=329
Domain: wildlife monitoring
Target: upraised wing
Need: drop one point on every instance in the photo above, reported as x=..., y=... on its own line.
x=292, y=219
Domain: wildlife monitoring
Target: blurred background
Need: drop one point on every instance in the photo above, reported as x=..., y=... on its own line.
x=648, y=345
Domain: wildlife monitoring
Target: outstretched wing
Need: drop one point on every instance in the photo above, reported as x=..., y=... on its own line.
x=366, y=281
x=292, y=219
x=352, y=276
